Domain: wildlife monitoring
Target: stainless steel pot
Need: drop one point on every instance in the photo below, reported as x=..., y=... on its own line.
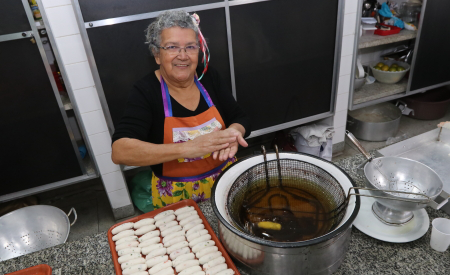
x=375, y=123
x=322, y=255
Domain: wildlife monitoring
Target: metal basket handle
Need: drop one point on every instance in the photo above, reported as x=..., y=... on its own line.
x=74, y=213
x=358, y=145
x=387, y=198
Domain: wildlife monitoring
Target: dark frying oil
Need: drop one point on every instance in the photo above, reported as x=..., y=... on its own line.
x=302, y=211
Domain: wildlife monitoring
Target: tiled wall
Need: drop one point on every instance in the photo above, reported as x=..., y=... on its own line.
x=348, y=42
x=60, y=18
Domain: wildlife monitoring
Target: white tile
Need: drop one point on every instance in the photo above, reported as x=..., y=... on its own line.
x=351, y=6
x=342, y=102
x=344, y=84
x=71, y=49
x=349, y=24
x=62, y=20
x=100, y=143
x=348, y=43
x=119, y=198
x=105, y=164
x=339, y=135
x=94, y=122
x=114, y=181
x=55, y=3
x=340, y=119
x=346, y=65
x=87, y=100
x=80, y=75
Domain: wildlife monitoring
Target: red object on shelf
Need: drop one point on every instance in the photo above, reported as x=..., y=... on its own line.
x=151, y=214
x=393, y=30
x=58, y=82
x=41, y=269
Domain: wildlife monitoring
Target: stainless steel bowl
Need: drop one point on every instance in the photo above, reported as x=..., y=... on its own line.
x=359, y=82
x=386, y=175
x=33, y=228
x=322, y=255
x=400, y=174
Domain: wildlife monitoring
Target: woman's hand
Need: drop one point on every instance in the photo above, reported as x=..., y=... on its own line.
x=212, y=142
x=232, y=149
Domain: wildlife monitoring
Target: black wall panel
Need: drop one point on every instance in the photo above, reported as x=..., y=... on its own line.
x=433, y=56
x=283, y=58
x=13, y=17
x=104, y=9
x=122, y=58
x=36, y=147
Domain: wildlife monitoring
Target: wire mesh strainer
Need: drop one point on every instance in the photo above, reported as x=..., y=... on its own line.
x=310, y=201
x=33, y=228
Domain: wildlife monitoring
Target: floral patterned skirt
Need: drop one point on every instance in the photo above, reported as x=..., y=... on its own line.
x=166, y=191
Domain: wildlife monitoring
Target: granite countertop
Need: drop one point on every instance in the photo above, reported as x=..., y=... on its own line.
x=367, y=41
x=365, y=255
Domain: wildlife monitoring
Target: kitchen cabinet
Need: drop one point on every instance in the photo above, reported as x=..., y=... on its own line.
x=282, y=77
x=39, y=151
x=430, y=51
x=252, y=44
x=430, y=68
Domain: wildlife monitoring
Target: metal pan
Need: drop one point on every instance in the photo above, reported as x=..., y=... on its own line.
x=400, y=174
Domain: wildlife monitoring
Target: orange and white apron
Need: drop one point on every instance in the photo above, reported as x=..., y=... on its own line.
x=187, y=178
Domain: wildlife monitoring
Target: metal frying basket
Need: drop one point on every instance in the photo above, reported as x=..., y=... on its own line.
x=290, y=174
x=33, y=228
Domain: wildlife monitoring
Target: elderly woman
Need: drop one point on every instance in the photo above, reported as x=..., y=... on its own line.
x=187, y=131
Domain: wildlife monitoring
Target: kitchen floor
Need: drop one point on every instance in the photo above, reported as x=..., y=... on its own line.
x=94, y=212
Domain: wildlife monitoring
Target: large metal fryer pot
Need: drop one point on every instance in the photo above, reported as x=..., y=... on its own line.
x=322, y=255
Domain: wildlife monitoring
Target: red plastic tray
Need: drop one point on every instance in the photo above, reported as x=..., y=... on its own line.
x=41, y=269
x=393, y=30
x=153, y=213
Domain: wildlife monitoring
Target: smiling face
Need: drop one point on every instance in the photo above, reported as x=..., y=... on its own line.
x=177, y=68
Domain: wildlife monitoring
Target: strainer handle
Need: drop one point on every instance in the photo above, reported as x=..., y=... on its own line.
x=74, y=213
x=438, y=206
x=358, y=145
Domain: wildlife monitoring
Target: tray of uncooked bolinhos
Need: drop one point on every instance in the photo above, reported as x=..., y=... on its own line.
x=176, y=239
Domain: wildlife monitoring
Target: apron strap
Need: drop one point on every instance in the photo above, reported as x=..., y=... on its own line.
x=203, y=92
x=166, y=96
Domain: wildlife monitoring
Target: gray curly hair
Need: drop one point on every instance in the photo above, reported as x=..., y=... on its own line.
x=167, y=19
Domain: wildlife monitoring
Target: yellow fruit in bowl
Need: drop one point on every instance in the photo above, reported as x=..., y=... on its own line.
x=380, y=64
x=391, y=69
x=394, y=66
x=385, y=68
x=400, y=68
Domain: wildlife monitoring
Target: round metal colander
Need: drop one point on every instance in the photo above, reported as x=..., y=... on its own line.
x=291, y=178
x=33, y=228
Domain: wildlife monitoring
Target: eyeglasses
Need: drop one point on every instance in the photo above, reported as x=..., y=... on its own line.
x=175, y=50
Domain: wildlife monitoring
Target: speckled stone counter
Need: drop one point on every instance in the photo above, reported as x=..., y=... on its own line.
x=365, y=255
x=367, y=41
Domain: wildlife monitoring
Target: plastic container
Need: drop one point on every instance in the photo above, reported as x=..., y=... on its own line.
x=440, y=234
x=430, y=105
x=389, y=77
x=41, y=269
x=152, y=214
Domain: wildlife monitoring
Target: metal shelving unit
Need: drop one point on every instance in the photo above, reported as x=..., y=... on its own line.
x=377, y=92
